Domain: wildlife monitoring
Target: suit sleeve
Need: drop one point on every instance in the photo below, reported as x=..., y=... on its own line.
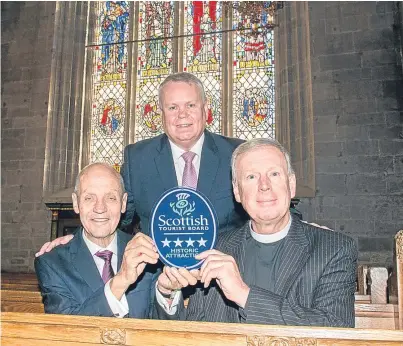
x=58, y=299
x=195, y=308
x=130, y=208
x=333, y=302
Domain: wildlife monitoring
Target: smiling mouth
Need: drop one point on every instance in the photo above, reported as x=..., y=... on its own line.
x=100, y=220
x=269, y=201
x=184, y=125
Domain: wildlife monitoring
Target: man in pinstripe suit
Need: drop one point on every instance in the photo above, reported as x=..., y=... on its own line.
x=275, y=269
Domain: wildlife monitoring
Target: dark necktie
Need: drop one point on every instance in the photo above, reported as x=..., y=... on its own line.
x=189, y=178
x=107, y=272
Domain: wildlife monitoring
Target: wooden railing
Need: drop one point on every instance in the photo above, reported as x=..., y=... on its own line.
x=44, y=330
x=20, y=293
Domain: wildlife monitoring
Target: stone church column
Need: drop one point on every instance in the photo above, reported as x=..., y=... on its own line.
x=66, y=106
x=294, y=113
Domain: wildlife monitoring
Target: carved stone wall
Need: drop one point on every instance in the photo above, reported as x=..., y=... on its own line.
x=42, y=95
x=26, y=55
x=357, y=116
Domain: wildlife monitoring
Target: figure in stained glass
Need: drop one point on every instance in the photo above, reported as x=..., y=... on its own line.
x=158, y=25
x=156, y=28
x=213, y=109
x=204, y=21
x=253, y=70
x=111, y=117
x=113, y=29
x=203, y=53
x=255, y=108
x=152, y=116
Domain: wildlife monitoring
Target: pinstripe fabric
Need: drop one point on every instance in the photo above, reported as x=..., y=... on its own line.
x=315, y=287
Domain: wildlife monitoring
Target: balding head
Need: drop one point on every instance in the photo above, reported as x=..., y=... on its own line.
x=102, y=166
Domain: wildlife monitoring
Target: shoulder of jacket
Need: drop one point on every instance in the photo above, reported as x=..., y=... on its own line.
x=230, y=141
x=327, y=236
x=144, y=144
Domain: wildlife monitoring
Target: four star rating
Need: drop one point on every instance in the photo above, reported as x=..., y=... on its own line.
x=178, y=242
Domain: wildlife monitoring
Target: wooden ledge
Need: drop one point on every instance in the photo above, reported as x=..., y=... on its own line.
x=52, y=327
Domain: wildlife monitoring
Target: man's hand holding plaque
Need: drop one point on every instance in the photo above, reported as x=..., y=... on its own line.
x=173, y=279
x=224, y=270
x=138, y=253
x=216, y=265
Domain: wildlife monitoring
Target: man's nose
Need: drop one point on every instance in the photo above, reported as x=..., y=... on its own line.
x=183, y=113
x=264, y=183
x=100, y=206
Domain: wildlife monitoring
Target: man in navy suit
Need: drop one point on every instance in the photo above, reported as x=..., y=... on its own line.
x=273, y=270
x=79, y=278
x=154, y=165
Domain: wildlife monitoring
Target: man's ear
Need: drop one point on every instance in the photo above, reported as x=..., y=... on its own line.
x=292, y=181
x=74, y=197
x=163, y=120
x=205, y=110
x=124, y=203
x=236, y=191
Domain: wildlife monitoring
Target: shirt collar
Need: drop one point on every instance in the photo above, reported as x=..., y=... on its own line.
x=270, y=238
x=177, y=151
x=94, y=248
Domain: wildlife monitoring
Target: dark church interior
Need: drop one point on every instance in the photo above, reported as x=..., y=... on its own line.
x=335, y=101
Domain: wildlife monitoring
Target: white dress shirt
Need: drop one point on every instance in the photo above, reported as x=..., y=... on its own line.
x=179, y=161
x=120, y=308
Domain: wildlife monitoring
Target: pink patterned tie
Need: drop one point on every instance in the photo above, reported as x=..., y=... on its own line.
x=189, y=178
x=107, y=272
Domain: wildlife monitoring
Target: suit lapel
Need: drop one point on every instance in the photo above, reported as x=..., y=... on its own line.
x=165, y=165
x=121, y=249
x=209, y=163
x=235, y=246
x=293, y=257
x=83, y=262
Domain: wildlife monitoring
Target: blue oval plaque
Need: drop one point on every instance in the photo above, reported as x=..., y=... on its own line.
x=183, y=224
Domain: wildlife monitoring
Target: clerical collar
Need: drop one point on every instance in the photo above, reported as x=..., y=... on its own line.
x=270, y=238
x=177, y=151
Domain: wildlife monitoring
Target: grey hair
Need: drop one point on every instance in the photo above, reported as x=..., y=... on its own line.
x=109, y=167
x=184, y=77
x=259, y=142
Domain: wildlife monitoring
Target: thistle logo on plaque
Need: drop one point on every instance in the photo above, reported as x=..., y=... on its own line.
x=183, y=224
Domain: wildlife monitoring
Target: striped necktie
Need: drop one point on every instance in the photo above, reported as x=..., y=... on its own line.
x=189, y=178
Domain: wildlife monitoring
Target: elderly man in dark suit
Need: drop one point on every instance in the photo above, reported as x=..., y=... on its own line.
x=78, y=278
x=275, y=269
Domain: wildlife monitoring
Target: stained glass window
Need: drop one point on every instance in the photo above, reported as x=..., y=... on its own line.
x=232, y=54
x=109, y=83
x=253, y=73
x=203, y=53
x=156, y=25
